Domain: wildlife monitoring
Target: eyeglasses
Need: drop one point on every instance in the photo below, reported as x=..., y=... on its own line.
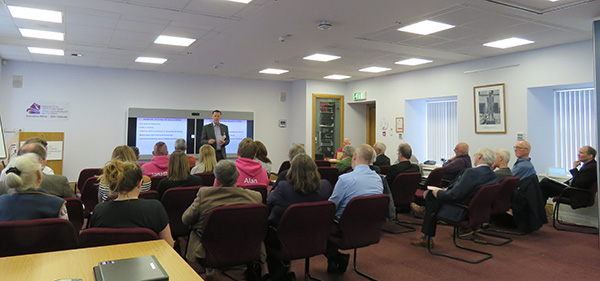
x=519, y=147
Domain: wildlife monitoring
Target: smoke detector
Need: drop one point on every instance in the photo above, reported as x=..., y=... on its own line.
x=324, y=25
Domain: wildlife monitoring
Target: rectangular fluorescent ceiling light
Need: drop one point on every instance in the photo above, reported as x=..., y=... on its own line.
x=337, y=77
x=241, y=1
x=41, y=34
x=46, y=51
x=321, y=57
x=35, y=14
x=374, y=69
x=426, y=27
x=151, y=60
x=413, y=61
x=273, y=71
x=508, y=43
x=174, y=41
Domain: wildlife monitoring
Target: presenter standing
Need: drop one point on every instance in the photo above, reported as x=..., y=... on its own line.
x=217, y=135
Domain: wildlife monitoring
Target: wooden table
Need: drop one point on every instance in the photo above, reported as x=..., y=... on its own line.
x=79, y=263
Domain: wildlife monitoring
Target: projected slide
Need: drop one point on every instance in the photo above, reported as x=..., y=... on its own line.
x=238, y=130
x=152, y=130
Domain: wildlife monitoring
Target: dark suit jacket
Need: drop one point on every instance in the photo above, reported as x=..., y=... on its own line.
x=584, y=179
x=381, y=159
x=208, y=132
x=401, y=167
x=57, y=185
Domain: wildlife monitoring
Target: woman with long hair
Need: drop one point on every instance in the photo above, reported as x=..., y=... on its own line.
x=261, y=156
x=207, y=160
x=122, y=153
x=178, y=174
x=127, y=210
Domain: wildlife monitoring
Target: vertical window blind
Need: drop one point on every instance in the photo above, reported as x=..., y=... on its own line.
x=574, y=124
x=442, y=129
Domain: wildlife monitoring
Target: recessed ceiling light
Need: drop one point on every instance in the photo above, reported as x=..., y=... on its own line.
x=151, y=60
x=321, y=57
x=337, y=77
x=413, y=61
x=174, y=41
x=35, y=14
x=41, y=34
x=241, y=1
x=273, y=71
x=508, y=43
x=374, y=69
x=46, y=51
x=426, y=27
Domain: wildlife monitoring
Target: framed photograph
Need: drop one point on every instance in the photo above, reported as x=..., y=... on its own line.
x=490, y=111
x=399, y=124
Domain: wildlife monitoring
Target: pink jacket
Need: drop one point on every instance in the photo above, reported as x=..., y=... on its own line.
x=157, y=167
x=251, y=173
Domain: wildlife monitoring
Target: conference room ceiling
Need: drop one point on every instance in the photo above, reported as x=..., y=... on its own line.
x=238, y=40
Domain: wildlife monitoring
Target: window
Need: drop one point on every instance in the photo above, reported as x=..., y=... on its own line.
x=442, y=129
x=574, y=124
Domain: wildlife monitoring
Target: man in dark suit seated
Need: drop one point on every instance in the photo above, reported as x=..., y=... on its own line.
x=381, y=159
x=584, y=177
x=439, y=202
x=404, y=165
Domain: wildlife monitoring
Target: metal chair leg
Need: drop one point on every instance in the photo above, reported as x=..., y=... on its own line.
x=487, y=255
x=555, y=219
x=306, y=271
x=361, y=273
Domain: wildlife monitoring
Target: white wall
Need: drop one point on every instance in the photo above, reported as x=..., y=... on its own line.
x=98, y=100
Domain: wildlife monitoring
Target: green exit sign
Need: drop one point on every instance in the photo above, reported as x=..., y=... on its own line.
x=360, y=96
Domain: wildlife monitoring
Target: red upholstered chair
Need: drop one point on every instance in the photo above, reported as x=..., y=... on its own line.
x=233, y=235
x=259, y=188
x=285, y=165
x=564, y=198
x=329, y=173
x=36, y=236
x=478, y=213
x=154, y=182
x=403, y=191
x=176, y=201
x=75, y=211
x=434, y=179
x=150, y=194
x=501, y=205
x=100, y=236
x=89, y=195
x=208, y=179
x=361, y=223
x=323, y=163
x=86, y=174
x=303, y=231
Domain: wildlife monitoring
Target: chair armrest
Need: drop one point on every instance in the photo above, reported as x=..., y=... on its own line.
x=570, y=190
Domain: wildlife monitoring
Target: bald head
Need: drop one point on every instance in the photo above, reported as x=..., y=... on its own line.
x=522, y=149
x=462, y=148
x=364, y=155
x=35, y=148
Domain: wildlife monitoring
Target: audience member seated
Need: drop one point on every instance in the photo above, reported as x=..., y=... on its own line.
x=404, y=165
x=251, y=172
x=294, y=150
x=503, y=171
x=24, y=175
x=207, y=160
x=346, y=159
x=523, y=167
x=338, y=153
x=136, y=151
x=226, y=193
x=127, y=210
x=122, y=153
x=360, y=182
x=45, y=170
x=160, y=163
x=178, y=174
x=438, y=202
x=261, y=156
x=584, y=177
x=381, y=159
x=456, y=164
x=180, y=145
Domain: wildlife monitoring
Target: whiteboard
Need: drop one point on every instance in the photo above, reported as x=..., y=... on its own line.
x=3, y=149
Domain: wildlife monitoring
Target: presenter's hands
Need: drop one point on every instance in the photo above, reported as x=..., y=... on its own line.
x=211, y=141
x=221, y=142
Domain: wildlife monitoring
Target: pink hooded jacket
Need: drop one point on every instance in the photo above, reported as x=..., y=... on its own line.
x=157, y=167
x=251, y=172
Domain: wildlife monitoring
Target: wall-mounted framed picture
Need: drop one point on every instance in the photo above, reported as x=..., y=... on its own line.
x=490, y=111
x=399, y=124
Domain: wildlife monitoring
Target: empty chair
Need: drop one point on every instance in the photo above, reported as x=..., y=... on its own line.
x=155, y=181
x=323, y=163
x=259, y=188
x=564, y=198
x=176, y=201
x=75, y=211
x=89, y=195
x=502, y=204
x=403, y=191
x=100, y=236
x=433, y=179
x=329, y=173
x=86, y=174
x=361, y=223
x=208, y=179
x=36, y=236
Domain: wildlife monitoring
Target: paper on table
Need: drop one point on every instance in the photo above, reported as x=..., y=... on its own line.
x=431, y=187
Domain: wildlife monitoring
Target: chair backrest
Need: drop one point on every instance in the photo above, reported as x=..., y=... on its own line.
x=154, y=182
x=504, y=198
x=480, y=205
x=362, y=219
x=259, y=188
x=329, y=173
x=593, y=192
x=36, y=236
x=385, y=169
x=86, y=174
x=233, y=235
x=285, y=165
x=89, y=195
x=323, y=163
x=435, y=177
x=75, y=211
x=404, y=186
x=100, y=236
x=176, y=200
x=208, y=179
x=149, y=194
x=304, y=228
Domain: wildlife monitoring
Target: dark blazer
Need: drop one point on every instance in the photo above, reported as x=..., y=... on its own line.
x=381, y=159
x=401, y=167
x=208, y=132
x=584, y=179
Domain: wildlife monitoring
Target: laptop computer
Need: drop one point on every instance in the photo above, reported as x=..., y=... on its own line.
x=145, y=268
x=557, y=172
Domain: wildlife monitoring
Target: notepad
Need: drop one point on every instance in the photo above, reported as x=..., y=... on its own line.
x=145, y=268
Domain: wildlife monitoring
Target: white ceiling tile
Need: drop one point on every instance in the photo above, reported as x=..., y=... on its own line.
x=88, y=35
x=141, y=26
x=134, y=40
x=425, y=41
x=171, y=4
x=215, y=7
x=85, y=19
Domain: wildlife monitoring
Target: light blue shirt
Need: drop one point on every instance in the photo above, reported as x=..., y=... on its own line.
x=360, y=182
x=523, y=168
x=217, y=129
